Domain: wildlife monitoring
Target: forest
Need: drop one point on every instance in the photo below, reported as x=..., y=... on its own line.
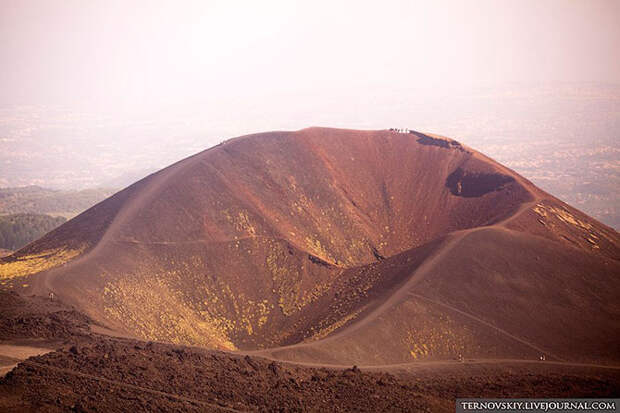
x=17, y=230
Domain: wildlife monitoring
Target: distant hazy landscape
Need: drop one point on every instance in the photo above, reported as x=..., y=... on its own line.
x=291, y=206
x=564, y=137
x=29, y=212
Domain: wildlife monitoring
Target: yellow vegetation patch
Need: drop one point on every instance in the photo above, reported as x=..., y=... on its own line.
x=566, y=218
x=318, y=250
x=419, y=350
x=438, y=339
x=561, y=214
x=287, y=281
x=240, y=221
x=155, y=311
x=34, y=263
x=324, y=332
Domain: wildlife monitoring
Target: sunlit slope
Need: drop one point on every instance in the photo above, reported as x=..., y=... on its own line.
x=278, y=238
x=342, y=196
x=67, y=242
x=497, y=294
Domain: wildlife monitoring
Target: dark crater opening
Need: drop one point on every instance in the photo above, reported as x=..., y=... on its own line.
x=474, y=184
x=442, y=143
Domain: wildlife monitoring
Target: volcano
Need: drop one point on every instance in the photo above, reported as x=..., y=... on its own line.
x=338, y=247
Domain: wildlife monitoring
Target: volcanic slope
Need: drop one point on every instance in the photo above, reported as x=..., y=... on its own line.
x=339, y=246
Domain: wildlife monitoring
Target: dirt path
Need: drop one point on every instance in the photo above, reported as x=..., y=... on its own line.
x=441, y=363
x=392, y=300
x=402, y=292
x=45, y=280
x=42, y=284
x=486, y=323
x=12, y=354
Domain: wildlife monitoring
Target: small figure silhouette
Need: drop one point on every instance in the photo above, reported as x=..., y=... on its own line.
x=51, y=296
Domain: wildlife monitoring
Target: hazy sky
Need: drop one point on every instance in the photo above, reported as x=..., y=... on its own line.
x=132, y=54
x=96, y=92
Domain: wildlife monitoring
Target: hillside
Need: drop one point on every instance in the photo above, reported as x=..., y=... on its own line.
x=336, y=246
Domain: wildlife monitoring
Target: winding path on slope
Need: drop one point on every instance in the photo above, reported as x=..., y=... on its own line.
x=486, y=323
x=42, y=283
x=441, y=363
x=405, y=290
x=12, y=354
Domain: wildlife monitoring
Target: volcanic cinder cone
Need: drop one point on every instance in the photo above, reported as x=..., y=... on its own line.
x=339, y=246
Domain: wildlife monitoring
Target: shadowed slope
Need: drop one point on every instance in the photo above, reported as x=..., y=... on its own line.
x=277, y=238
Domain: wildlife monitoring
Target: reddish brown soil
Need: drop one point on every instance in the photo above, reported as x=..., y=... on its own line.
x=91, y=373
x=271, y=227
x=325, y=247
x=104, y=374
x=38, y=317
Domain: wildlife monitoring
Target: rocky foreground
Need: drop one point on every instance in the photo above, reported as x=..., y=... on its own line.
x=92, y=372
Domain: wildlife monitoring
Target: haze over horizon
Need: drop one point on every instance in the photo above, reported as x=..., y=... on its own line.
x=101, y=92
x=313, y=205
x=119, y=55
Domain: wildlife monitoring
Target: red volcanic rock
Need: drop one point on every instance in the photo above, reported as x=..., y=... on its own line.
x=339, y=246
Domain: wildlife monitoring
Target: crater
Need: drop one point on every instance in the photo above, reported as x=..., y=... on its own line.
x=442, y=143
x=475, y=184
